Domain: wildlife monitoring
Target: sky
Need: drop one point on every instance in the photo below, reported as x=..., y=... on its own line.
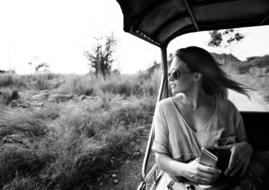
x=58, y=32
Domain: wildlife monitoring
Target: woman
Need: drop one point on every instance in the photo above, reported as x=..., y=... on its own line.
x=199, y=115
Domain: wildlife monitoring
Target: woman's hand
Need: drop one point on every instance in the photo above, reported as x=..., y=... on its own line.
x=240, y=158
x=200, y=174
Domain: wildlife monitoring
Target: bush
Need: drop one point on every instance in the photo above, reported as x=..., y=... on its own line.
x=70, y=145
x=139, y=112
x=78, y=84
x=23, y=124
x=117, y=139
x=12, y=81
x=84, y=140
x=128, y=85
x=42, y=81
x=17, y=160
x=7, y=95
x=23, y=183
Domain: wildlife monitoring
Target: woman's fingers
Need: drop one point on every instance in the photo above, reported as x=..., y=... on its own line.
x=208, y=174
x=236, y=169
x=203, y=179
x=239, y=160
x=232, y=162
x=209, y=170
x=202, y=174
x=205, y=175
x=244, y=170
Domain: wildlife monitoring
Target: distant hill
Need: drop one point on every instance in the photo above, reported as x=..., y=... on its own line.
x=256, y=62
x=261, y=63
x=224, y=59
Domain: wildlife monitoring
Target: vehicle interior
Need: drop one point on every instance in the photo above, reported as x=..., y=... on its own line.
x=160, y=21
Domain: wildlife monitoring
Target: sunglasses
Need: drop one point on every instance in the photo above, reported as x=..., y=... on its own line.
x=176, y=74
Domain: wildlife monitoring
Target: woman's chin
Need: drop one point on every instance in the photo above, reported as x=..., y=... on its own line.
x=175, y=92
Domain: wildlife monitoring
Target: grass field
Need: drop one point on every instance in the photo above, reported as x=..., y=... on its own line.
x=65, y=131
x=71, y=143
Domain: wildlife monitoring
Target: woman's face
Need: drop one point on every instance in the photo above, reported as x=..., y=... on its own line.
x=181, y=78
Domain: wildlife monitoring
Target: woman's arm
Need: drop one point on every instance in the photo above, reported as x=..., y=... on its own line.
x=193, y=171
x=170, y=166
x=240, y=158
x=241, y=151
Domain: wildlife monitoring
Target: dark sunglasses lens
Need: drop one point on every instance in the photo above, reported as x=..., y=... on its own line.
x=176, y=74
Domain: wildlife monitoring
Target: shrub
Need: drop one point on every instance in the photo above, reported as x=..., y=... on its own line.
x=76, y=84
x=12, y=81
x=17, y=160
x=7, y=95
x=139, y=112
x=23, y=183
x=40, y=82
x=50, y=112
x=84, y=140
x=70, y=145
x=117, y=139
x=128, y=85
x=25, y=124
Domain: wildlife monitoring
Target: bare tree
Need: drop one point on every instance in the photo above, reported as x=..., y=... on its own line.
x=40, y=66
x=101, y=56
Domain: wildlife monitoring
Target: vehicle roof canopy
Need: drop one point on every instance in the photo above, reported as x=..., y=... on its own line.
x=160, y=21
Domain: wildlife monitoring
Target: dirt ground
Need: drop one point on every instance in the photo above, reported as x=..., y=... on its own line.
x=128, y=175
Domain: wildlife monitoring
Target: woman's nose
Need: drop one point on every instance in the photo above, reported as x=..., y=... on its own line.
x=170, y=77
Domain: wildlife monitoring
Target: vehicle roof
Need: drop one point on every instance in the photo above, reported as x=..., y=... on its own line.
x=160, y=21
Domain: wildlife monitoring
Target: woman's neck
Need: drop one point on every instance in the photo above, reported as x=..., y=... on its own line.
x=194, y=98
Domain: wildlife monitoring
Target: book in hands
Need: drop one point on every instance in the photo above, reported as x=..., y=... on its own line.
x=223, y=158
x=207, y=158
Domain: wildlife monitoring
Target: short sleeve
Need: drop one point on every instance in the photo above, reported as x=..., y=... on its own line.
x=160, y=142
x=239, y=124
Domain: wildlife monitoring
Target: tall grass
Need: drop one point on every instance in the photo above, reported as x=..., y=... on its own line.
x=12, y=81
x=19, y=133
x=123, y=85
x=78, y=84
x=7, y=95
x=35, y=81
x=69, y=146
x=126, y=86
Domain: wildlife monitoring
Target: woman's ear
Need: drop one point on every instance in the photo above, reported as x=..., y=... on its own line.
x=197, y=76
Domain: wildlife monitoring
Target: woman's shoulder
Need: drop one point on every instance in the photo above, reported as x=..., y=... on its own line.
x=163, y=106
x=164, y=103
x=225, y=103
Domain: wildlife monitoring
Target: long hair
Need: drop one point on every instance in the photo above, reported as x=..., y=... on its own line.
x=214, y=80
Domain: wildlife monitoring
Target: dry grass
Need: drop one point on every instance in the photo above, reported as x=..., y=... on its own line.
x=11, y=81
x=69, y=146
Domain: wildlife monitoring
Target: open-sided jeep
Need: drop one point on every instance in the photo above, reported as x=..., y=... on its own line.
x=160, y=21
